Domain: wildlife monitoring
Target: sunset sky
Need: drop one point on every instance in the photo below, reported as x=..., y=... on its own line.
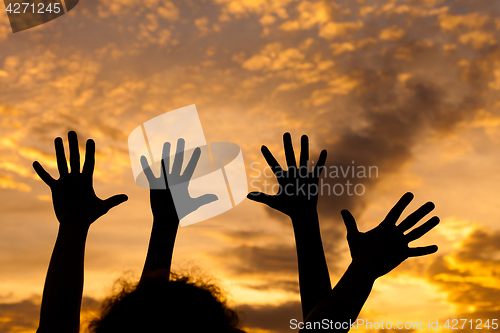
x=409, y=86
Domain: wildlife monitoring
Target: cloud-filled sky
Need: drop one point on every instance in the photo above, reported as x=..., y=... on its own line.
x=410, y=87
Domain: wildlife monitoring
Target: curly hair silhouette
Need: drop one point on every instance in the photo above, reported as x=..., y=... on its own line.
x=159, y=304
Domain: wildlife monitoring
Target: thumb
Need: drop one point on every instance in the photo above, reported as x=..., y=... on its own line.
x=260, y=197
x=350, y=223
x=115, y=201
x=205, y=199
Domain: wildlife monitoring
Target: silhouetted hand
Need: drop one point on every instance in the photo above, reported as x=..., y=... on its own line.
x=73, y=196
x=76, y=207
x=298, y=198
x=298, y=194
x=383, y=248
x=162, y=203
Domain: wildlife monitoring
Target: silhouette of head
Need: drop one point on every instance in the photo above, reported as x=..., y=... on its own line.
x=157, y=304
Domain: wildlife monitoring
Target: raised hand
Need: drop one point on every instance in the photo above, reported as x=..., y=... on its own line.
x=384, y=247
x=76, y=206
x=166, y=213
x=162, y=202
x=298, y=198
x=374, y=253
x=73, y=196
x=298, y=194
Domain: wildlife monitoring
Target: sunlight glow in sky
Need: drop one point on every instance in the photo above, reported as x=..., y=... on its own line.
x=412, y=87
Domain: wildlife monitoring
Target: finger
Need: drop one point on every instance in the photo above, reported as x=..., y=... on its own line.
x=260, y=197
x=179, y=157
x=205, y=200
x=318, y=169
x=188, y=172
x=147, y=169
x=166, y=158
x=164, y=172
x=62, y=165
x=349, y=221
x=74, y=152
x=421, y=251
x=88, y=165
x=416, y=216
x=422, y=230
x=304, y=152
x=396, y=211
x=115, y=201
x=289, y=153
x=44, y=175
x=271, y=161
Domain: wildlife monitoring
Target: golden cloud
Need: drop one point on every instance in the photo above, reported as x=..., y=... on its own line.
x=309, y=15
x=338, y=86
x=453, y=22
x=495, y=85
x=478, y=39
x=392, y=34
x=339, y=29
x=471, y=273
x=273, y=58
x=8, y=182
x=339, y=48
x=237, y=8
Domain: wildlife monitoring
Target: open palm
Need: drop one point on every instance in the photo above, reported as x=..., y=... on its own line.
x=73, y=193
x=384, y=247
x=298, y=190
x=162, y=202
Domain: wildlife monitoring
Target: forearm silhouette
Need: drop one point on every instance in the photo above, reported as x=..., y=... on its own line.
x=301, y=207
x=374, y=254
x=76, y=207
x=165, y=215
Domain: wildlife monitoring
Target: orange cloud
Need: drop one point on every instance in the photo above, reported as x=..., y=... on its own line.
x=8, y=182
x=309, y=15
x=21, y=316
x=470, y=274
x=339, y=48
x=453, y=22
x=202, y=24
x=392, y=34
x=478, y=39
x=339, y=29
x=495, y=85
x=273, y=58
x=238, y=8
x=338, y=86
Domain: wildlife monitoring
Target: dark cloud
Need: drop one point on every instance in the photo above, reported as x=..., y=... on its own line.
x=285, y=285
x=22, y=315
x=408, y=89
x=247, y=235
x=275, y=318
x=278, y=264
x=247, y=259
x=482, y=246
x=90, y=304
x=398, y=112
x=266, y=259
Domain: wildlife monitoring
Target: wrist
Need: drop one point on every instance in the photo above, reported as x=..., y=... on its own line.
x=362, y=270
x=309, y=213
x=74, y=233
x=305, y=221
x=166, y=220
